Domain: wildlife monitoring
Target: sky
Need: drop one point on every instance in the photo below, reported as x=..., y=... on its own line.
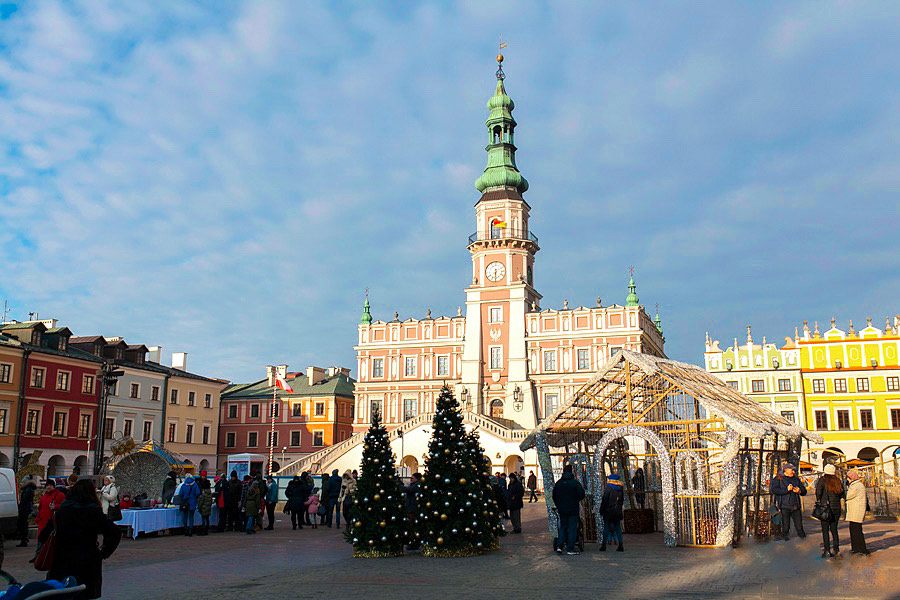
x=226, y=179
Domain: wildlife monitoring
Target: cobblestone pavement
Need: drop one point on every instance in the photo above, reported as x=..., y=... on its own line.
x=319, y=564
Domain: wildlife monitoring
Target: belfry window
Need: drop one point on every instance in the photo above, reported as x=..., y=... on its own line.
x=498, y=134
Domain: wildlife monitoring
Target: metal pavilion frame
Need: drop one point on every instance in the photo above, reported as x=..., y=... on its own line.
x=699, y=434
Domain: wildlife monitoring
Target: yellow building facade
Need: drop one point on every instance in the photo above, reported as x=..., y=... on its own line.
x=851, y=384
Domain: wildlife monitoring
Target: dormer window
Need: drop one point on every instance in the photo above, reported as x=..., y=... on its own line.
x=63, y=343
x=98, y=349
x=119, y=353
x=36, y=338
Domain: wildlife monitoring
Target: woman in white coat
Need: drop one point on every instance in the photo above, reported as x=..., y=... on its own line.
x=856, y=512
x=109, y=494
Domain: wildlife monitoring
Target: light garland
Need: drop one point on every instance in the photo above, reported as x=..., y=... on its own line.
x=728, y=495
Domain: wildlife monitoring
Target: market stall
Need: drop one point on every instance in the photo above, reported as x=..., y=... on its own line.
x=705, y=449
x=148, y=520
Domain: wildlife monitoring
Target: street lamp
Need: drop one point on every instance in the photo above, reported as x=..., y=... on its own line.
x=283, y=449
x=464, y=395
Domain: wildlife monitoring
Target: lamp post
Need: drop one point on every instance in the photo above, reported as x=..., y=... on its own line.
x=283, y=449
x=464, y=395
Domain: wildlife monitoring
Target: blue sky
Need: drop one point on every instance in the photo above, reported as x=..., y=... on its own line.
x=227, y=178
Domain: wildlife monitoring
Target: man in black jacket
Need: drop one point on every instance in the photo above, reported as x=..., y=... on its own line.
x=515, y=492
x=532, y=486
x=331, y=493
x=567, y=495
x=26, y=504
x=788, y=488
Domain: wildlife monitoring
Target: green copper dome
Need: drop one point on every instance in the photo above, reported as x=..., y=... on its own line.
x=658, y=323
x=366, y=316
x=632, y=298
x=501, y=170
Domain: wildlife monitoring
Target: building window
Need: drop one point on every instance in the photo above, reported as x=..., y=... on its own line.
x=148, y=429
x=32, y=421
x=584, y=359
x=229, y=439
x=108, y=425
x=297, y=410
x=3, y=413
x=171, y=436
x=410, y=370
x=551, y=404
x=273, y=438
x=496, y=357
x=758, y=385
x=821, y=419
x=375, y=406
x=254, y=411
x=205, y=434
x=37, y=377
x=5, y=373
x=207, y=401
x=192, y=398
x=154, y=393
x=84, y=426
x=352, y=411
x=862, y=384
x=251, y=439
x=550, y=360
x=495, y=314
x=320, y=409
x=732, y=384
x=378, y=367
x=443, y=365
x=866, y=419
x=189, y=434
x=840, y=385
x=789, y=415
x=784, y=385
x=318, y=438
x=87, y=384
x=409, y=408
x=295, y=438
x=275, y=409
x=129, y=424
x=895, y=418
x=819, y=386
x=173, y=397
x=893, y=384
x=843, y=419
x=135, y=390
x=113, y=388
x=59, y=424
x=232, y=411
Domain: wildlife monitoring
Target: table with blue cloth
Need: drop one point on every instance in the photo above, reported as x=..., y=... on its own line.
x=157, y=519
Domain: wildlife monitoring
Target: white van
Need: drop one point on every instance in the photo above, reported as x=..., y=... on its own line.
x=9, y=500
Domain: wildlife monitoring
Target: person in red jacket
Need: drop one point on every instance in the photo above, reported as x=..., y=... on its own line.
x=49, y=504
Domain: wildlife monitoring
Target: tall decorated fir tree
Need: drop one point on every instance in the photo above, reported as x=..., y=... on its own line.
x=378, y=514
x=458, y=514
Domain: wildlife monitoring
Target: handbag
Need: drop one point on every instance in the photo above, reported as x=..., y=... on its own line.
x=822, y=511
x=44, y=559
x=114, y=512
x=775, y=515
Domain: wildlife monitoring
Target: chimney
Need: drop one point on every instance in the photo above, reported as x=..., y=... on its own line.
x=179, y=361
x=154, y=353
x=314, y=375
x=270, y=374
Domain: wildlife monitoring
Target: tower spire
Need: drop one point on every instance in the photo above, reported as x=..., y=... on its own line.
x=366, y=316
x=501, y=170
x=632, y=298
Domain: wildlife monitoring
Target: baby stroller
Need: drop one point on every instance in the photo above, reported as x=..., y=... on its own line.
x=37, y=590
x=579, y=535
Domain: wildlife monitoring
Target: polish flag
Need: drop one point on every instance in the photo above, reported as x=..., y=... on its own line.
x=281, y=384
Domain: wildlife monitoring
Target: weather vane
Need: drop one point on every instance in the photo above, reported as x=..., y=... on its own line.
x=502, y=45
x=631, y=270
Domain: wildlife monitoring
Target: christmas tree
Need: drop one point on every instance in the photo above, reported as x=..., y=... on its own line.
x=458, y=513
x=378, y=515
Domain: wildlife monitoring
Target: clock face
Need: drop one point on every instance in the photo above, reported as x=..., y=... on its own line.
x=495, y=271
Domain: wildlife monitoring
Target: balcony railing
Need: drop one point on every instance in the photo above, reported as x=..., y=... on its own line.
x=503, y=234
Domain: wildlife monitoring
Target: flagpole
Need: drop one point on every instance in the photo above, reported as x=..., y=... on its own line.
x=272, y=430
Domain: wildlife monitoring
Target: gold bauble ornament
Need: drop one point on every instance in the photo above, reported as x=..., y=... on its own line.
x=440, y=541
x=462, y=481
x=485, y=513
x=376, y=497
x=382, y=524
x=443, y=517
x=447, y=451
x=358, y=524
x=428, y=505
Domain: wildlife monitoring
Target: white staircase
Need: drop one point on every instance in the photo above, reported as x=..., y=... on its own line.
x=320, y=461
